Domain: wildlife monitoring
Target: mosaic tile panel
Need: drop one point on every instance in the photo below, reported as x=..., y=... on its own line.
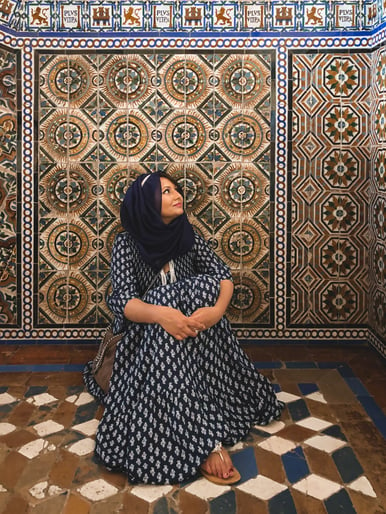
x=9, y=194
x=377, y=202
x=189, y=16
x=104, y=119
x=329, y=193
x=314, y=459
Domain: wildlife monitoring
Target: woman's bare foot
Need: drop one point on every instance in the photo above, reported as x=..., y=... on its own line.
x=219, y=464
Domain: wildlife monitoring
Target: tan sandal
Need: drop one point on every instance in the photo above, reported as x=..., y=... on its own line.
x=236, y=477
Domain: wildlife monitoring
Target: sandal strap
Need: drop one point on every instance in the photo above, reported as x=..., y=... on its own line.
x=218, y=449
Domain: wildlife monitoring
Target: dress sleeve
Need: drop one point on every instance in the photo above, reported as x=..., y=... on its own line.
x=122, y=274
x=208, y=262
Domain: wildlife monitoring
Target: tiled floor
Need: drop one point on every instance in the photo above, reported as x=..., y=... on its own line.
x=326, y=455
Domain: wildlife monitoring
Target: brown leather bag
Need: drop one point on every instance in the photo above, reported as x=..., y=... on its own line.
x=102, y=365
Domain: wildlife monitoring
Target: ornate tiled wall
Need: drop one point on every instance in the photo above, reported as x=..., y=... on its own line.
x=377, y=200
x=269, y=133
x=104, y=119
x=329, y=184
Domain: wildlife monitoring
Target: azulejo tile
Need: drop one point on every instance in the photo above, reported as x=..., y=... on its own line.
x=43, y=489
x=42, y=399
x=262, y=487
x=6, y=399
x=48, y=427
x=35, y=448
x=325, y=443
x=314, y=423
x=88, y=427
x=309, y=465
x=6, y=428
x=295, y=465
x=362, y=485
x=317, y=486
x=97, y=490
x=151, y=493
x=206, y=490
x=82, y=447
x=277, y=445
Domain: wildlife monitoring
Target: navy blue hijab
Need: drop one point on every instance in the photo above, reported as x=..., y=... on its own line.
x=141, y=218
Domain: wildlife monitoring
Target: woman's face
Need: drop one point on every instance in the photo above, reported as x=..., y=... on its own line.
x=172, y=204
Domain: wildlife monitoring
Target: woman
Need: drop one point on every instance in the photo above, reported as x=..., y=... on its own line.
x=181, y=385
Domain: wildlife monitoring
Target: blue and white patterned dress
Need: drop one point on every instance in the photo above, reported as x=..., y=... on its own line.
x=170, y=402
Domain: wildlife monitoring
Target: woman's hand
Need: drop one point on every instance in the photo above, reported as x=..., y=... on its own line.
x=207, y=316
x=177, y=324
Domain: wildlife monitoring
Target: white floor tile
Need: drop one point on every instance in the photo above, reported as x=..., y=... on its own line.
x=6, y=428
x=325, y=443
x=88, y=427
x=277, y=445
x=287, y=397
x=262, y=487
x=363, y=486
x=42, y=490
x=34, y=448
x=317, y=397
x=82, y=447
x=80, y=399
x=151, y=493
x=47, y=428
x=41, y=399
x=97, y=490
x=317, y=487
x=6, y=399
x=314, y=423
x=206, y=490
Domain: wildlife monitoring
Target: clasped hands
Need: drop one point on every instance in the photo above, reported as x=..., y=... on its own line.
x=180, y=326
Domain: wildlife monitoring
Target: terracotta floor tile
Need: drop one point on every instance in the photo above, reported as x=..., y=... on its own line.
x=114, y=505
x=64, y=469
x=270, y=465
x=363, y=503
x=137, y=505
x=191, y=504
x=76, y=505
x=248, y=504
x=11, y=469
x=36, y=470
x=306, y=504
x=16, y=505
x=295, y=433
x=49, y=505
x=320, y=463
x=18, y=438
x=21, y=414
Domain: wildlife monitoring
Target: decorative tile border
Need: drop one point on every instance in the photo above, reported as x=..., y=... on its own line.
x=188, y=16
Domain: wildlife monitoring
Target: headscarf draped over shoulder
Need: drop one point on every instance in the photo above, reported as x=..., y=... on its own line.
x=157, y=242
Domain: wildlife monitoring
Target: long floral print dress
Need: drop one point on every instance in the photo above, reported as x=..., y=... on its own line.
x=171, y=402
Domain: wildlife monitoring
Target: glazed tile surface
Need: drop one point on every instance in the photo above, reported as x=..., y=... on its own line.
x=326, y=453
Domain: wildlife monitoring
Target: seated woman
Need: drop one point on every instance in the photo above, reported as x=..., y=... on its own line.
x=181, y=386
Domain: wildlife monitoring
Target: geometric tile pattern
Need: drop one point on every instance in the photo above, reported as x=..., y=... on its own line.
x=290, y=309
x=330, y=155
x=313, y=460
x=9, y=251
x=185, y=16
x=377, y=202
x=104, y=119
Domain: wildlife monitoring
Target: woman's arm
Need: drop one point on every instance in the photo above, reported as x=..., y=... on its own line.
x=172, y=320
x=209, y=316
